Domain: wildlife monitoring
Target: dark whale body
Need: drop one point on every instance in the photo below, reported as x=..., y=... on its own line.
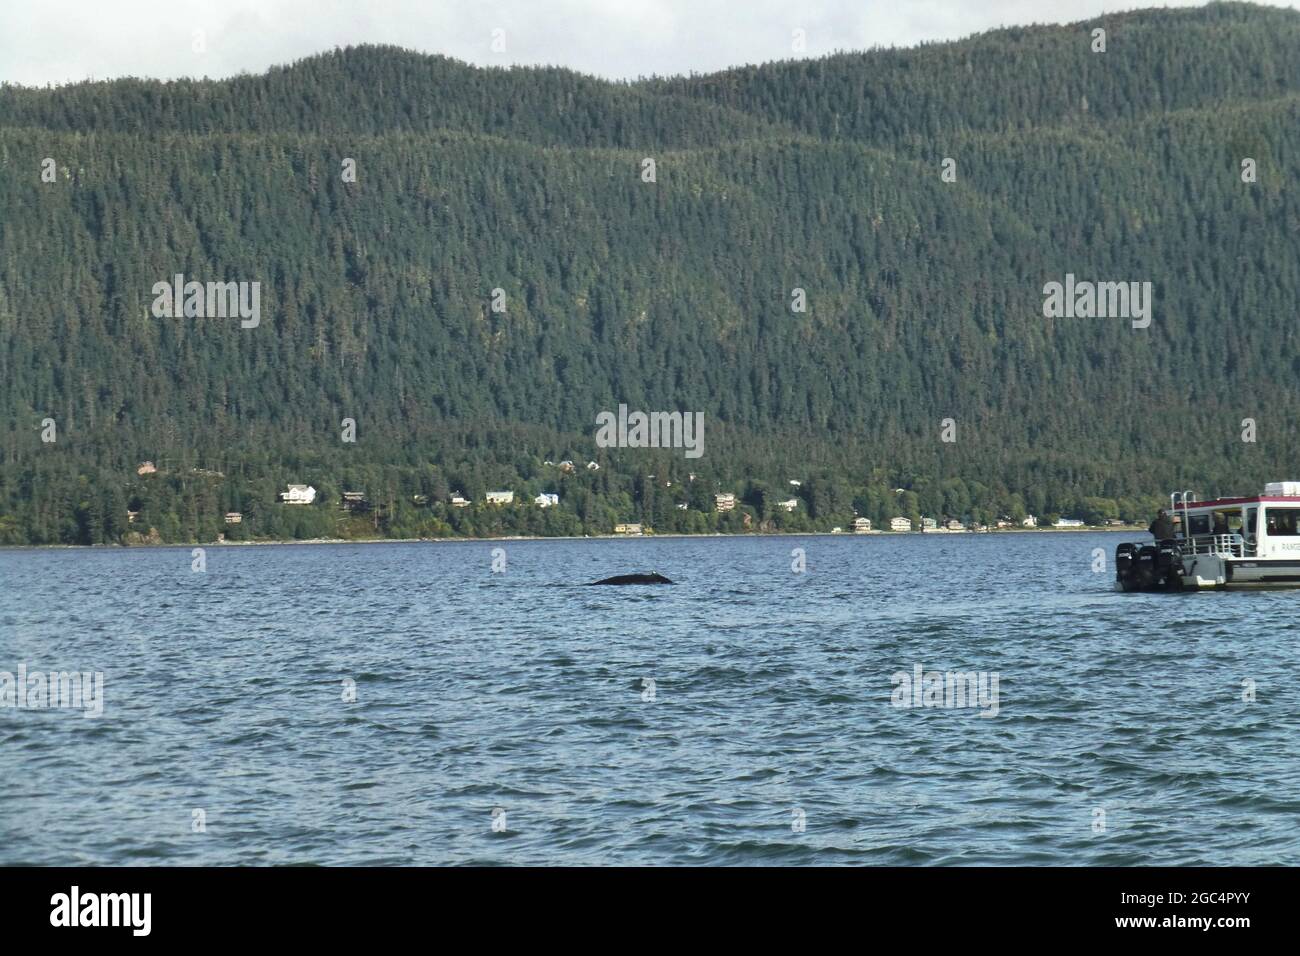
x=653, y=578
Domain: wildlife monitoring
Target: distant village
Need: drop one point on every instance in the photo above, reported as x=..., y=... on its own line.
x=724, y=502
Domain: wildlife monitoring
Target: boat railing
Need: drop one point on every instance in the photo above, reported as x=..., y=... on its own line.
x=1226, y=545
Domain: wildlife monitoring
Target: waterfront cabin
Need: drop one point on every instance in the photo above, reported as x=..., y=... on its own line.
x=354, y=501
x=298, y=495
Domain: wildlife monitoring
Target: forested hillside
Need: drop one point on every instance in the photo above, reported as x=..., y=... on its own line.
x=924, y=295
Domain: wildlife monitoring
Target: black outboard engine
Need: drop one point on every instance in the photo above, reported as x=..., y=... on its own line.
x=1169, y=565
x=1149, y=567
x=1144, y=572
x=1125, y=565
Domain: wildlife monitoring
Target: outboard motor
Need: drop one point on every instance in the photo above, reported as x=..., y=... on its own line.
x=1169, y=565
x=1125, y=562
x=1144, y=576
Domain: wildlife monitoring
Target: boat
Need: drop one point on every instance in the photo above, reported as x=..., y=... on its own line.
x=1220, y=544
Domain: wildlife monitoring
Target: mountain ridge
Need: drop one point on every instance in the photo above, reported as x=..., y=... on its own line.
x=925, y=296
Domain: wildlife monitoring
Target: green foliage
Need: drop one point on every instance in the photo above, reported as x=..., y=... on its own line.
x=924, y=297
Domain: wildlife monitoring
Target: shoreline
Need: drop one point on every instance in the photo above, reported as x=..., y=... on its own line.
x=1134, y=529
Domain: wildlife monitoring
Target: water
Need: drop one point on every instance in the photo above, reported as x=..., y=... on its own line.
x=523, y=692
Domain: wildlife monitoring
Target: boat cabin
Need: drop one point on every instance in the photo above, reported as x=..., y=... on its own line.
x=1261, y=526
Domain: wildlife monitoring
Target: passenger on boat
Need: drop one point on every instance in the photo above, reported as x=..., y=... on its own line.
x=1220, y=523
x=1162, y=529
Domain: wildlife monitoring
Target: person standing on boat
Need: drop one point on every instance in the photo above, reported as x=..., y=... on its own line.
x=1162, y=529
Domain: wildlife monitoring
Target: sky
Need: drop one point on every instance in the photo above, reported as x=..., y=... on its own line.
x=61, y=41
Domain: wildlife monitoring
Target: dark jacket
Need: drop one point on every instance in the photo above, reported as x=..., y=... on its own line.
x=1162, y=528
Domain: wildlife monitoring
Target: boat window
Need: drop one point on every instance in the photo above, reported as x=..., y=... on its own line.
x=1283, y=522
x=1198, y=524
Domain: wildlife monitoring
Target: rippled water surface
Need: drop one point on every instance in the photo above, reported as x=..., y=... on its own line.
x=1121, y=734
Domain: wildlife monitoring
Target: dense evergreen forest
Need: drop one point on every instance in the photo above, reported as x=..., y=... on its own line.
x=923, y=280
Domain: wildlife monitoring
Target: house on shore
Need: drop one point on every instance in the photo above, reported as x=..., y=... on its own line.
x=298, y=495
x=458, y=500
x=354, y=501
x=630, y=527
x=789, y=504
x=546, y=501
x=1029, y=521
x=500, y=497
x=900, y=524
x=234, y=517
x=861, y=525
x=1068, y=523
x=725, y=501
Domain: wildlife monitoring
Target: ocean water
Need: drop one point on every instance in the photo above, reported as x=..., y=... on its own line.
x=510, y=718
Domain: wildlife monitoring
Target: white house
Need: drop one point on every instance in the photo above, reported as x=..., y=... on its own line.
x=545, y=501
x=1068, y=523
x=861, y=525
x=900, y=524
x=592, y=466
x=928, y=524
x=955, y=525
x=789, y=504
x=500, y=497
x=629, y=527
x=458, y=500
x=298, y=495
x=234, y=517
x=725, y=501
x=1029, y=521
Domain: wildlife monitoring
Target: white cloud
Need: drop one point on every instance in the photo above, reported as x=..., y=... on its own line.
x=68, y=40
